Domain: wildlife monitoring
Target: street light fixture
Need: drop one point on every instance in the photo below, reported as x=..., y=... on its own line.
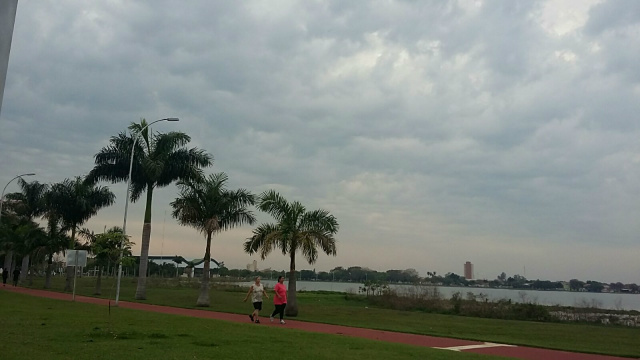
x=5, y=188
x=126, y=202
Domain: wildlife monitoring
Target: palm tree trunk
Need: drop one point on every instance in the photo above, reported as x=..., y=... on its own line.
x=47, y=279
x=24, y=269
x=67, y=284
x=98, y=290
x=30, y=276
x=8, y=261
x=203, y=298
x=141, y=290
x=292, y=302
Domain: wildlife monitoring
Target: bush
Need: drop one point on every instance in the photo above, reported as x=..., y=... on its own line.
x=428, y=299
x=456, y=302
x=533, y=312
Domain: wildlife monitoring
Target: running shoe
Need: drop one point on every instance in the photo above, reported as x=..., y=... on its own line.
x=251, y=317
x=282, y=322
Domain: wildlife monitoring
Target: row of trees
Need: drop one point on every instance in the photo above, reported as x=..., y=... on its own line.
x=63, y=206
x=518, y=281
x=203, y=202
x=363, y=274
x=596, y=286
x=340, y=274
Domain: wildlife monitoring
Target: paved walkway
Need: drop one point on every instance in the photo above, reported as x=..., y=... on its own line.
x=518, y=352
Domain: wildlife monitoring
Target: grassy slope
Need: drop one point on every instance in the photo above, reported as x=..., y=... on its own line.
x=334, y=309
x=36, y=328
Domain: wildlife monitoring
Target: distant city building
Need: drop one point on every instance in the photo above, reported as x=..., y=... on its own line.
x=468, y=270
x=253, y=266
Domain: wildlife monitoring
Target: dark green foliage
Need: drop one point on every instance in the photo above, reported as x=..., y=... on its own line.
x=210, y=207
x=429, y=300
x=295, y=230
x=159, y=160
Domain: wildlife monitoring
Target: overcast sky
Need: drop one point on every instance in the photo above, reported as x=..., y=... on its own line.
x=505, y=133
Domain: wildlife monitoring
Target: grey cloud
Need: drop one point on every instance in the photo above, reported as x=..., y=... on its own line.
x=424, y=122
x=611, y=15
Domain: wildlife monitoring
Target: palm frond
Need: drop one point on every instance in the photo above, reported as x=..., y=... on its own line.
x=183, y=164
x=142, y=130
x=208, y=206
x=30, y=202
x=112, y=161
x=297, y=229
x=170, y=142
x=274, y=204
x=74, y=201
x=159, y=159
x=264, y=240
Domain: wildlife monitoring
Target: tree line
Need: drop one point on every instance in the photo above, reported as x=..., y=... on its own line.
x=204, y=202
x=411, y=276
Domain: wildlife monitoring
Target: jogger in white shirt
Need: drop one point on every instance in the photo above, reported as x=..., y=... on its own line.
x=256, y=291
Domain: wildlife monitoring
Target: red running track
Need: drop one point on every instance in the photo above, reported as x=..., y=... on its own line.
x=518, y=352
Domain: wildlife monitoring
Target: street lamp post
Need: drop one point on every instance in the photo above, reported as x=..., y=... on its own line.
x=126, y=203
x=5, y=188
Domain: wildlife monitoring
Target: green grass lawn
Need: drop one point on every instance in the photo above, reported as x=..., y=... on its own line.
x=39, y=328
x=333, y=308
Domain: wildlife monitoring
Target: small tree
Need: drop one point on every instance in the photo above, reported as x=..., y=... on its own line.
x=106, y=248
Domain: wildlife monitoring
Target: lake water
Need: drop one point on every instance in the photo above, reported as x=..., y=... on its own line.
x=563, y=298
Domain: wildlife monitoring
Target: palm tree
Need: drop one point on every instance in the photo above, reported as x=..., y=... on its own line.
x=29, y=204
x=56, y=241
x=7, y=227
x=74, y=202
x=297, y=229
x=11, y=243
x=209, y=207
x=22, y=237
x=29, y=236
x=7, y=238
x=160, y=159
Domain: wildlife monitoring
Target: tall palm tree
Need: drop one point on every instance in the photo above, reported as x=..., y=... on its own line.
x=75, y=201
x=208, y=206
x=296, y=230
x=28, y=203
x=159, y=160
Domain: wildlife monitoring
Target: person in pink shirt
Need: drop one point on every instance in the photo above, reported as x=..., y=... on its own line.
x=279, y=299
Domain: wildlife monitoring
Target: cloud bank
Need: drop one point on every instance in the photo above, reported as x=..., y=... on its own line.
x=501, y=133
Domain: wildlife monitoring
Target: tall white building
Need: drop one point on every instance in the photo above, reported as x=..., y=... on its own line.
x=253, y=266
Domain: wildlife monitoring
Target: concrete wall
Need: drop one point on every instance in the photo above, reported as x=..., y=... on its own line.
x=7, y=19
